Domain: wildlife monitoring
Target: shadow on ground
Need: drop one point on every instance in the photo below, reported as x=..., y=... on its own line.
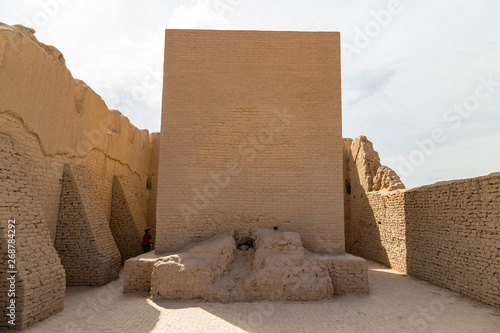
x=397, y=303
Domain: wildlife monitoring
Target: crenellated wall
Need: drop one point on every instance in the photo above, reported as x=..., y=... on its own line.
x=52, y=119
x=447, y=233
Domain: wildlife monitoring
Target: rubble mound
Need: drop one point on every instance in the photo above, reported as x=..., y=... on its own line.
x=190, y=274
x=273, y=265
x=284, y=270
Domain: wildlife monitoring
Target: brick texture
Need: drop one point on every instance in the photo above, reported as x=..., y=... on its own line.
x=40, y=278
x=53, y=119
x=251, y=136
x=446, y=233
x=349, y=273
x=453, y=236
x=83, y=238
x=128, y=218
x=153, y=191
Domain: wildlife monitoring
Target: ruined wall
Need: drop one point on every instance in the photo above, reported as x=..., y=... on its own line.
x=128, y=217
x=446, y=233
x=453, y=236
x=53, y=119
x=375, y=220
x=83, y=239
x=251, y=136
x=28, y=255
x=153, y=185
x=379, y=227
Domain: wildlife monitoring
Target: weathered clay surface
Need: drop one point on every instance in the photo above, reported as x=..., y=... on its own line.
x=386, y=179
x=191, y=274
x=284, y=270
x=276, y=268
x=373, y=176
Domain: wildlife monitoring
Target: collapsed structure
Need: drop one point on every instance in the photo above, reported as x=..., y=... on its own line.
x=80, y=182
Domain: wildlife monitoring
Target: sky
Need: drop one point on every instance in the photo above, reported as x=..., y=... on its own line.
x=420, y=78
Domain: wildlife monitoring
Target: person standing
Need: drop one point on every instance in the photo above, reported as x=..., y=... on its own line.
x=146, y=241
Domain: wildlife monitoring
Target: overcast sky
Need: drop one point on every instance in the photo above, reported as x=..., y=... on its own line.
x=420, y=78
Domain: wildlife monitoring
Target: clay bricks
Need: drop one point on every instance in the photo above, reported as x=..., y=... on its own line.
x=128, y=218
x=251, y=137
x=40, y=277
x=83, y=238
x=446, y=233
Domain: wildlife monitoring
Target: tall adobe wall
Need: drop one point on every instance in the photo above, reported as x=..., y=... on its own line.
x=251, y=137
x=32, y=275
x=56, y=119
x=366, y=180
x=52, y=119
x=447, y=233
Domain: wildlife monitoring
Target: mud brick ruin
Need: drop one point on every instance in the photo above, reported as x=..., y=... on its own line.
x=249, y=190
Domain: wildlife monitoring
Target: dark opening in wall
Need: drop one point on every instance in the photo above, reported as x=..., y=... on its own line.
x=348, y=187
x=149, y=183
x=245, y=244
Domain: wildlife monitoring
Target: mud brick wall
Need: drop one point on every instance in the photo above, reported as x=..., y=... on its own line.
x=153, y=191
x=56, y=119
x=128, y=218
x=137, y=273
x=349, y=273
x=453, y=236
x=40, y=279
x=379, y=227
x=251, y=136
x=374, y=220
x=83, y=237
x=447, y=234
x=53, y=120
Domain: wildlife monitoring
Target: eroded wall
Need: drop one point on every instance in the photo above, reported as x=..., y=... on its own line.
x=447, y=233
x=53, y=119
x=251, y=136
x=32, y=282
x=128, y=217
x=152, y=185
x=83, y=238
x=375, y=218
x=453, y=236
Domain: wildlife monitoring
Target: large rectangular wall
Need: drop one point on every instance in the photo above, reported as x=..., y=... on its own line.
x=251, y=136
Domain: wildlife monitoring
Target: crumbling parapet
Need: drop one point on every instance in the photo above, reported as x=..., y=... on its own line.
x=373, y=176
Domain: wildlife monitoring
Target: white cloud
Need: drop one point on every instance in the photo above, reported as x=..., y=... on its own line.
x=205, y=14
x=395, y=90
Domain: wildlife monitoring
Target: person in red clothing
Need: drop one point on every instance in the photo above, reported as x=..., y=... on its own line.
x=146, y=241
